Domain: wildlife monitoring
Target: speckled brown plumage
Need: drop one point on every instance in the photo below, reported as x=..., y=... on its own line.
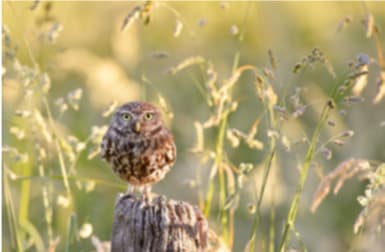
x=138, y=145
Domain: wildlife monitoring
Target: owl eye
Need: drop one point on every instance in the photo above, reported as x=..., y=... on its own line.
x=148, y=116
x=126, y=116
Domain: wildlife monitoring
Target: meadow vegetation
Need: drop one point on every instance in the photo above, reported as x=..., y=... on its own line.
x=273, y=106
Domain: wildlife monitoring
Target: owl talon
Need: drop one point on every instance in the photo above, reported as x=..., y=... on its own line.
x=130, y=190
x=147, y=195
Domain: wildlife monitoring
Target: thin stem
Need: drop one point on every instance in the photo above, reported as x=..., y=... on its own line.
x=11, y=215
x=209, y=198
x=24, y=193
x=217, y=165
x=221, y=175
x=58, y=149
x=272, y=223
x=302, y=178
x=71, y=243
x=252, y=241
x=47, y=205
x=266, y=172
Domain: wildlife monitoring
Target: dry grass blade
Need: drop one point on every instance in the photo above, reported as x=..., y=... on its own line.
x=229, y=83
x=321, y=192
x=272, y=60
x=200, y=137
x=212, y=77
x=97, y=133
x=110, y=109
x=233, y=137
x=380, y=88
x=42, y=124
x=140, y=11
x=373, y=216
x=131, y=16
x=271, y=96
x=253, y=130
x=360, y=166
x=190, y=61
x=215, y=119
x=360, y=80
x=359, y=77
x=178, y=28
x=344, y=171
x=369, y=24
x=165, y=107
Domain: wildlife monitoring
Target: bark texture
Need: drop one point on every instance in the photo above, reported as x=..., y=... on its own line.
x=159, y=225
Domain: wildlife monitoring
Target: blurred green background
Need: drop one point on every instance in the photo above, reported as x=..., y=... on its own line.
x=81, y=45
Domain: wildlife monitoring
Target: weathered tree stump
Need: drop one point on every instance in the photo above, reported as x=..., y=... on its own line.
x=159, y=225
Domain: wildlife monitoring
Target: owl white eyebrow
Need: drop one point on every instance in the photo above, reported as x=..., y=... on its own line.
x=125, y=112
x=150, y=111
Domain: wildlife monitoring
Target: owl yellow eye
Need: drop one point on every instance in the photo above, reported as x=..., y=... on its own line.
x=126, y=116
x=148, y=116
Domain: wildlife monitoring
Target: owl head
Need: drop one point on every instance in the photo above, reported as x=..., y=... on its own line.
x=137, y=120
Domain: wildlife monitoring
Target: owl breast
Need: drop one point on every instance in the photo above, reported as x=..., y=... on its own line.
x=140, y=162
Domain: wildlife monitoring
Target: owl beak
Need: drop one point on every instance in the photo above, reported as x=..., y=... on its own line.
x=137, y=127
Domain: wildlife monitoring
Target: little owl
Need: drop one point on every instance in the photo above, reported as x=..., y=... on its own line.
x=138, y=145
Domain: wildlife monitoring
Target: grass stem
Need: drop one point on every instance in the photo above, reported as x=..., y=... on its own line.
x=301, y=181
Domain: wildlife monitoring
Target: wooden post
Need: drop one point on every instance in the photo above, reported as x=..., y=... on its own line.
x=160, y=225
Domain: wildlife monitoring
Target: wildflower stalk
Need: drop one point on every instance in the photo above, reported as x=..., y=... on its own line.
x=218, y=164
x=251, y=244
x=228, y=234
x=302, y=178
x=221, y=178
